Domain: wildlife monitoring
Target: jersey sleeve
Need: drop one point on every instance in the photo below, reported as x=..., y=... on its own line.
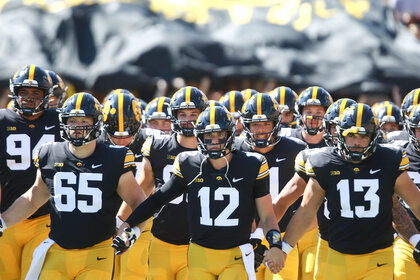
x=262, y=182
x=129, y=164
x=176, y=169
x=300, y=168
x=264, y=170
x=404, y=163
x=147, y=146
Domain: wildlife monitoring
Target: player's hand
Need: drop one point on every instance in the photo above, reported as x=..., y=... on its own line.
x=2, y=225
x=125, y=239
x=259, y=251
x=416, y=253
x=274, y=259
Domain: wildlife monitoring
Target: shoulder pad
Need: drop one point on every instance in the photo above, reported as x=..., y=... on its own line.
x=287, y=132
x=153, y=132
x=400, y=143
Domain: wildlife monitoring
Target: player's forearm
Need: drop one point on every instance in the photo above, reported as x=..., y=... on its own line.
x=19, y=211
x=298, y=225
x=401, y=221
x=268, y=224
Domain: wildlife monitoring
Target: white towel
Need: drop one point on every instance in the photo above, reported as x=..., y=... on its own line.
x=248, y=258
x=38, y=259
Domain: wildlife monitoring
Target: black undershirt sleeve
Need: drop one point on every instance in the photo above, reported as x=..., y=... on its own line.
x=173, y=188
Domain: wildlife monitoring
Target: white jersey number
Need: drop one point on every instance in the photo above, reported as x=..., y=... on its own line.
x=372, y=186
x=20, y=145
x=223, y=219
x=65, y=197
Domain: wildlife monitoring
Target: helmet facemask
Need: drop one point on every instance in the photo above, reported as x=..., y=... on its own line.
x=87, y=133
x=253, y=139
x=225, y=143
x=350, y=152
x=185, y=128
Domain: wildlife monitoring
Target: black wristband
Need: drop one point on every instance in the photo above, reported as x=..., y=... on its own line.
x=274, y=238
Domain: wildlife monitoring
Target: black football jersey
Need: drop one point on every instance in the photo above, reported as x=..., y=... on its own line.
x=18, y=146
x=83, y=192
x=281, y=161
x=359, y=196
x=297, y=133
x=322, y=214
x=221, y=203
x=170, y=224
x=413, y=172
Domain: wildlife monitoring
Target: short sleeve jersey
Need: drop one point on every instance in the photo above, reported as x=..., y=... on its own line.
x=359, y=196
x=83, y=192
x=322, y=214
x=170, y=224
x=18, y=146
x=221, y=203
x=413, y=171
x=281, y=163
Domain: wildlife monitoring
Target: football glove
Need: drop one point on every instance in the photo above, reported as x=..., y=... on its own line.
x=120, y=245
x=416, y=253
x=259, y=250
x=2, y=226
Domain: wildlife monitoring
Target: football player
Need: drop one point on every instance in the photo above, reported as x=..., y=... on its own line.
x=389, y=119
x=359, y=189
x=25, y=129
x=296, y=186
x=405, y=264
x=169, y=245
x=261, y=120
x=83, y=181
x=221, y=202
x=311, y=106
x=157, y=116
x=58, y=96
x=286, y=98
x=233, y=101
x=409, y=101
x=122, y=117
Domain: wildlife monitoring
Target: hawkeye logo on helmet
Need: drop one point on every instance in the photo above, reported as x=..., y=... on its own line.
x=78, y=112
x=259, y=117
x=29, y=82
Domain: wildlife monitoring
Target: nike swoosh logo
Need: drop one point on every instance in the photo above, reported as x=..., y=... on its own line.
x=96, y=166
x=280, y=159
x=100, y=259
x=380, y=264
x=137, y=155
x=374, y=171
x=49, y=127
x=246, y=255
x=48, y=225
x=238, y=258
x=237, y=179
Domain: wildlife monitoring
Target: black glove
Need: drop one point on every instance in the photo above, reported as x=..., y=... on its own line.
x=259, y=250
x=416, y=253
x=119, y=243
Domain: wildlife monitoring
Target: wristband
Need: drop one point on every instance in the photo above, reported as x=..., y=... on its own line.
x=136, y=232
x=118, y=222
x=274, y=238
x=2, y=224
x=414, y=239
x=286, y=247
x=258, y=234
